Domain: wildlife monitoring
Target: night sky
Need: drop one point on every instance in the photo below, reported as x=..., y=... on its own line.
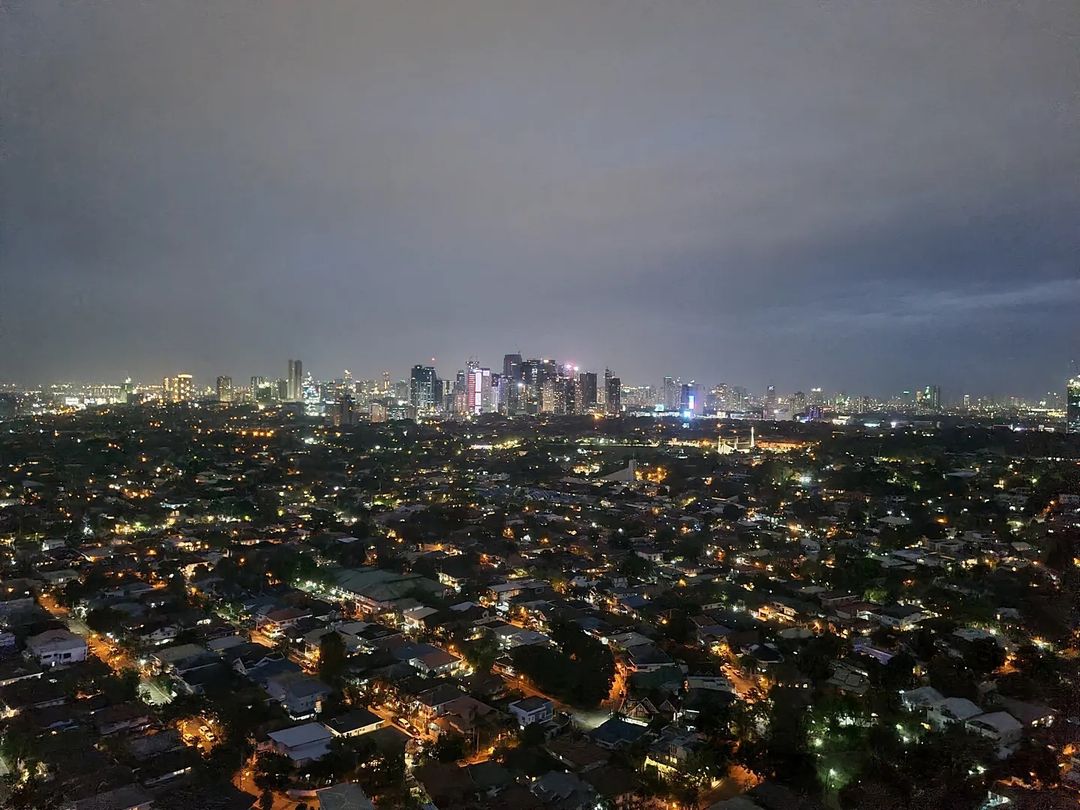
x=860, y=195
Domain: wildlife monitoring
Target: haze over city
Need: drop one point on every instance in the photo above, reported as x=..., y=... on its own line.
x=862, y=196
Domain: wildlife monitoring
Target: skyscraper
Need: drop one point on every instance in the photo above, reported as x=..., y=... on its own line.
x=224, y=389
x=585, y=395
x=1072, y=405
x=672, y=391
x=511, y=399
x=294, y=383
x=424, y=388
x=478, y=396
x=512, y=366
x=612, y=393
x=931, y=397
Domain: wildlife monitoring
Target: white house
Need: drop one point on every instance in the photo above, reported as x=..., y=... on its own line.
x=532, y=710
x=951, y=710
x=1001, y=728
x=54, y=647
x=302, y=744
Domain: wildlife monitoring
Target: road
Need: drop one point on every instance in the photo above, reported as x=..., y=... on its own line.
x=100, y=646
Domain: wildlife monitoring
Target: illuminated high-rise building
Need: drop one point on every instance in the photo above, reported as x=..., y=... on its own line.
x=931, y=397
x=180, y=388
x=224, y=389
x=672, y=392
x=690, y=399
x=294, y=382
x=612, y=393
x=424, y=389
x=585, y=392
x=1072, y=405
x=511, y=387
x=512, y=366
x=478, y=393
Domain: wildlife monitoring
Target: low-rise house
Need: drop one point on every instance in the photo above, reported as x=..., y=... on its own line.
x=300, y=695
x=354, y=723
x=900, y=617
x=673, y=751
x=57, y=647
x=532, y=709
x=301, y=744
x=951, y=710
x=921, y=699
x=618, y=732
x=121, y=717
x=1001, y=728
x=1030, y=715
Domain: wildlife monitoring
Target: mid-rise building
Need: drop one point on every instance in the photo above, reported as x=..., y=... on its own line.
x=180, y=388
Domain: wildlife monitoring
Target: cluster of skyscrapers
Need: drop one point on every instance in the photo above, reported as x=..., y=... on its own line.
x=544, y=386
x=523, y=386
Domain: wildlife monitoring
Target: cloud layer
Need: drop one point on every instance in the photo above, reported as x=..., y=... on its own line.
x=860, y=195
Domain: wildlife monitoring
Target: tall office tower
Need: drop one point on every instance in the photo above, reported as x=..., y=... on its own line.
x=294, y=383
x=224, y=389
x=585, y=392
x=424, y=390
x=478, y=395
x=512, y=366
x=1072, y=405
x=967, y=402
x=798, y=402
x=931, y=397
x=613, y=394
x=256, y=385
x=281, y=391
x=511, y=392
x=770, y=399
x=550, y=397
x=817, y=397
x=672, y=390
x=690, y=400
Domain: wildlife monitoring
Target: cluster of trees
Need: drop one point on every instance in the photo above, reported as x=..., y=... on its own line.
x=579, y=671
x=348, y=760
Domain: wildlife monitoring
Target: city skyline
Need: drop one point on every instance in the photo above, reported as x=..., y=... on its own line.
x=681, y=193
x=292, y=380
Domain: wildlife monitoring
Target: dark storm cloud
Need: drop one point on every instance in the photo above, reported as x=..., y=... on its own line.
x=864, y=195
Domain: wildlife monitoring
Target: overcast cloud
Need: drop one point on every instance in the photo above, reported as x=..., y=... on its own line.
x=859, y=195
